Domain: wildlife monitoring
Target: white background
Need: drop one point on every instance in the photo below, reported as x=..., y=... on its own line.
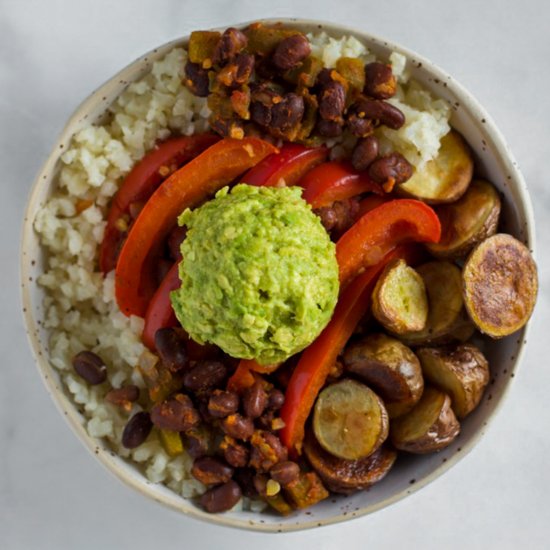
x=52, y=493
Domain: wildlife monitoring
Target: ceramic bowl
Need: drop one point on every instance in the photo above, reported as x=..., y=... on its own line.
x=493, y=161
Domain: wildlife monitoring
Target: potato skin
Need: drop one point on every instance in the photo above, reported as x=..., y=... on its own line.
x=461, y=371
x=347, y=476
x=388, y=307
x=388, y=366
x=468, y=221
x=447, y=320
x=433, y=421
x=445, y=178
x=350, y=420
x=500, y=285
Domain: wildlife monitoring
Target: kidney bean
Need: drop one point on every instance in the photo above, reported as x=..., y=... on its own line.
x=379, y=81
x=276, y=399
x=323, y=78
x=285, y=472
x=332, y=101
x=245, y=478
x=136, y=430
x=360, y=127
x=223, y=403
x=329, y=128
x=90, y=367
x=364, y=153
x=205, y=375
x=196, y=79
x=175, y=238
x=221, y=498
x=123, y=396
x=290, y=51
x=238, y=72
x=231, y=42
x=197, y=441
x=177, y=414
x=171, y=348
x=287, y=112
x=254, y=400
x=238, y=426
x=211, y=471
x=380, y=112
x=390, y=170
x=267, y=450
x=235, y=453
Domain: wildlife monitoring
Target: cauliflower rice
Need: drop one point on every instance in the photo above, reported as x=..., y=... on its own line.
x=80, y=306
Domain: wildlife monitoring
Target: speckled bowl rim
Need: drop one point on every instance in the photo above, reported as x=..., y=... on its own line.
x=115, y=464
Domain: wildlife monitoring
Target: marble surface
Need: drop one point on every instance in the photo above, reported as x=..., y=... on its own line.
x=52, y=493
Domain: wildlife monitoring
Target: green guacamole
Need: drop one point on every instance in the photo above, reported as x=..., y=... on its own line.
x=259, y=276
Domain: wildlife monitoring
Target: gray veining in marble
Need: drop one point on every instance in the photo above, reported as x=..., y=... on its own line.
x=53, y=495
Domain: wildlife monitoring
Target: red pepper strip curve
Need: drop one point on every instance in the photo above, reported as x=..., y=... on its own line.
x=219, y=165
x=382, y=229
x=334, y=181
x=141, y=183
x=315, y=363
x=290, y=164
x=160, y=314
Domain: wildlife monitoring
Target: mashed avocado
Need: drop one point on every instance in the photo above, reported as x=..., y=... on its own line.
x=259, y=273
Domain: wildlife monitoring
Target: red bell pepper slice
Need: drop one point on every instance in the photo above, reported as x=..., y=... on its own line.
x=315, y=363
x=141, y=183
x=335, y=181
x=219, y=165
x=160, y=314
x=290, y=164
x=382, y=229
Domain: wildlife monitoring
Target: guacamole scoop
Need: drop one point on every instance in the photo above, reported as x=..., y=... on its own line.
x=259, y=276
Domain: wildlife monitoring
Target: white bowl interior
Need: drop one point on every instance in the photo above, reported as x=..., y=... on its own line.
x=493, y=161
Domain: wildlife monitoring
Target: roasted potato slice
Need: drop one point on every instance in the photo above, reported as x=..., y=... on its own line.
x=500, y=285
x=445, y=178
x=461, y=371
x=350, y=420
x=390, y=368
x=468, y=221
x=443, y=282
x=399, y=300
x=430, y=426
x=348, y=476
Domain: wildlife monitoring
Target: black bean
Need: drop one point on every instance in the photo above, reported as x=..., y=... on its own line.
x=221, y=498
x=196, y=79
x=90, y=367
x=254, y=400
x=236, y=454
x=290, y=51
x=379, y=81
x=332, y=101
x=197, y=442
x=267, y=450
x=329, y=128
x=137, y=430
x=288, y=112
x=276, y=399
x=171, y=348
x=230, y=44
x=238, y=426
x=365, y=153
x=391, y=170
x=211, y=471
x=222, y=403
x=205, y=375
x=177, y=414
x=285, y=472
